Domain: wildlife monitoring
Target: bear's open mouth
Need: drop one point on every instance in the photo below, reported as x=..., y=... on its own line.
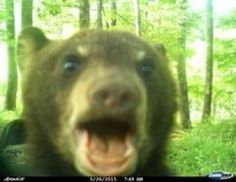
x=106, y=147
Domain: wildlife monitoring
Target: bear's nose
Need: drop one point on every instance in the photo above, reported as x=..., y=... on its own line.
x=116, y=96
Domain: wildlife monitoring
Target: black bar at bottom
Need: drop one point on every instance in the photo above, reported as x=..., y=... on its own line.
x=112, y=179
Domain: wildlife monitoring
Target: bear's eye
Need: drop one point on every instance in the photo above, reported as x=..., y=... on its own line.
x=71, y=63
x=146, y=68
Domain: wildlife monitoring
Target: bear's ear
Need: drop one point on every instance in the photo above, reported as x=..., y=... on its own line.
x=30, y=40
x=160, y=48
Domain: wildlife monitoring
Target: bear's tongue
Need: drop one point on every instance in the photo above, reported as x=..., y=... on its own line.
x=106, y=146
x=104, y=154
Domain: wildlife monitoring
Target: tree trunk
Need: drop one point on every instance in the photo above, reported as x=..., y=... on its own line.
x=146, y=12
x=99, y=13
x=181, y=68
x=113, y=13
x=209, y=62
x=84, y=15
x=10, y=100
x=137, y=15
x=26, y=13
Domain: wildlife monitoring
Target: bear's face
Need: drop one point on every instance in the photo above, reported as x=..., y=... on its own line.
x=98, y=103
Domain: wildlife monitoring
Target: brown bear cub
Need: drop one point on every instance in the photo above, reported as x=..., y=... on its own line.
x=100, y=103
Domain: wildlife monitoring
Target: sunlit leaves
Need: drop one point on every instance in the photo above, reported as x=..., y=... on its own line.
x=228, y=21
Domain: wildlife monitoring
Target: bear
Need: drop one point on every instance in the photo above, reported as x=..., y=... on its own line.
x=13, y=134
x=12, y=142
x=99, y=103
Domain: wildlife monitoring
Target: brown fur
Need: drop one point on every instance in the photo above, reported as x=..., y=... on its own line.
x=53, y=97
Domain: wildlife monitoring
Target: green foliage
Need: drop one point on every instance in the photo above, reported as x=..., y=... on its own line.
x=228, y=21
x=194, y=23
x=3, y=17
x=124, y=15
x=206, y=148
x=2, y=14
x=168, y=1
x=195, y=87
x=56, y=14
x=225, y=76
x=225, y=52
x=7, y=116
x=3, y=88
x=53, y=8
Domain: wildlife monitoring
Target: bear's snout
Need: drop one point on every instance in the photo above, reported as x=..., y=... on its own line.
x=114, y=96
